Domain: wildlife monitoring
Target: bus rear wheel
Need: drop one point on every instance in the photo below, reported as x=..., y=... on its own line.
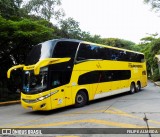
x=81, y=99
x=138, y=88
x=132, y=88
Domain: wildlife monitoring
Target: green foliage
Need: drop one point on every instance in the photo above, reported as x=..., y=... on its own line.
x=17, y=38
x=154, y=3
x=156, y=75
x=16, y=35
x=155, y=48
x=150, y=46
x=44, y=8
x=115, y=42
x=10, y=8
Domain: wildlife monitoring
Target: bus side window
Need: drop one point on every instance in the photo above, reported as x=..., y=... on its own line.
x=56, y=79
x=87, y=51
x=83, y=52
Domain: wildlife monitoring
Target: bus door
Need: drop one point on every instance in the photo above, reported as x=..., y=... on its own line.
x=58, y=97
x=59, y=84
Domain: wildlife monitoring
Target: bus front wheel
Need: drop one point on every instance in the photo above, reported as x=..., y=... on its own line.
x=132, y=88
x=81, y=99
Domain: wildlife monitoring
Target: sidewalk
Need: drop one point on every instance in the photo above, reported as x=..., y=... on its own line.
x=157, y=83
x=9, y=102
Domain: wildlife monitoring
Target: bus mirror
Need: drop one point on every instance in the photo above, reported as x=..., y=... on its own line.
x=12, y=68
x=48, y=61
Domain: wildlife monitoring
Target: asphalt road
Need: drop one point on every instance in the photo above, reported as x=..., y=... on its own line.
x=139, y=110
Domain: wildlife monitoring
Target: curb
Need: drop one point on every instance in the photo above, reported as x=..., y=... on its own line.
x=9, y=102
x=156, y=84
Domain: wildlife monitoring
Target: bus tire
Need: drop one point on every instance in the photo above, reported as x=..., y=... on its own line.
x=138, y=88
x=81, y=99
x=132, y=88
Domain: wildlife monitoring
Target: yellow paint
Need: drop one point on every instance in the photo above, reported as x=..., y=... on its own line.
x=17, y=124
x=46, y=62
x=12, y=68
x=155, y=122
x=67, y=97
x=122, y=113
x=94, y=121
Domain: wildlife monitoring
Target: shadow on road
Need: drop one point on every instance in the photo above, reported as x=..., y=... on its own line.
x=68, y=108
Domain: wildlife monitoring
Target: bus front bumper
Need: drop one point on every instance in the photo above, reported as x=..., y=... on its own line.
x=34, y=104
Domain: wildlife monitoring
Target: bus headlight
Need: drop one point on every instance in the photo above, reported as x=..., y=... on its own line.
x=40, y=98
x=43, y=97
x=46, y=96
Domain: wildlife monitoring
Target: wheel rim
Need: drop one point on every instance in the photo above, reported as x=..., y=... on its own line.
x=132, y=89
x=138, y=87
x=80, y=99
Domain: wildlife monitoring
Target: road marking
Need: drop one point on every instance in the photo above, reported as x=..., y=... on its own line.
x=91, y=109
x=55, y=116
x=125, y=114
x=94, y=121
x=35, y=120
x=122, y=113
x=111, y=110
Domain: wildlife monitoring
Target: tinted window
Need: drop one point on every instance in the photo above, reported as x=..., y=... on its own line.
x=120, y=55
x=88, y=78
x=104, y=76
x=97, y=52
x=39, y=52
x=65, y=49
x=114, y=75
x=59, y=78
x=105, y=53
x=89, y=52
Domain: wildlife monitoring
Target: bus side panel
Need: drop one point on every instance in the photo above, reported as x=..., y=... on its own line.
x=139, y=74
x=74, y=84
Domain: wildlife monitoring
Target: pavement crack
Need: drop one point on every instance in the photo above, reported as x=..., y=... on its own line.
x=109, y=106
x=146, y=121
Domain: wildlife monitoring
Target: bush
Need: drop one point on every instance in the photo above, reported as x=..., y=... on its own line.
x=156, y=75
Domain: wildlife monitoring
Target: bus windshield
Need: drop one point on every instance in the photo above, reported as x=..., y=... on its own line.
x=35, y=83
x=51, y=49
x=39, y=52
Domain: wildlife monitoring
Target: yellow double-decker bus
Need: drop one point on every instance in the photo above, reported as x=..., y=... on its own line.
x=64, y=72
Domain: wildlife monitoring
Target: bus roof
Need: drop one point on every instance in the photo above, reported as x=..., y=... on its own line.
x=81, y=41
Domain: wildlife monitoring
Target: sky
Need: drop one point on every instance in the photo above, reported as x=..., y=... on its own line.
x=124, y=19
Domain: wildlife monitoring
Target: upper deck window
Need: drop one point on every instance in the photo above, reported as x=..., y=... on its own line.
x=65, y=49
x=87, y=51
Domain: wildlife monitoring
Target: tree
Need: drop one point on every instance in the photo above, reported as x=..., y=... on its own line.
x=154, y=3
x=17, y=38
x=69, y=28
x=44, y=8
x=120, y=43
x=150, y=46
x=149, y=38
x=10, y=8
